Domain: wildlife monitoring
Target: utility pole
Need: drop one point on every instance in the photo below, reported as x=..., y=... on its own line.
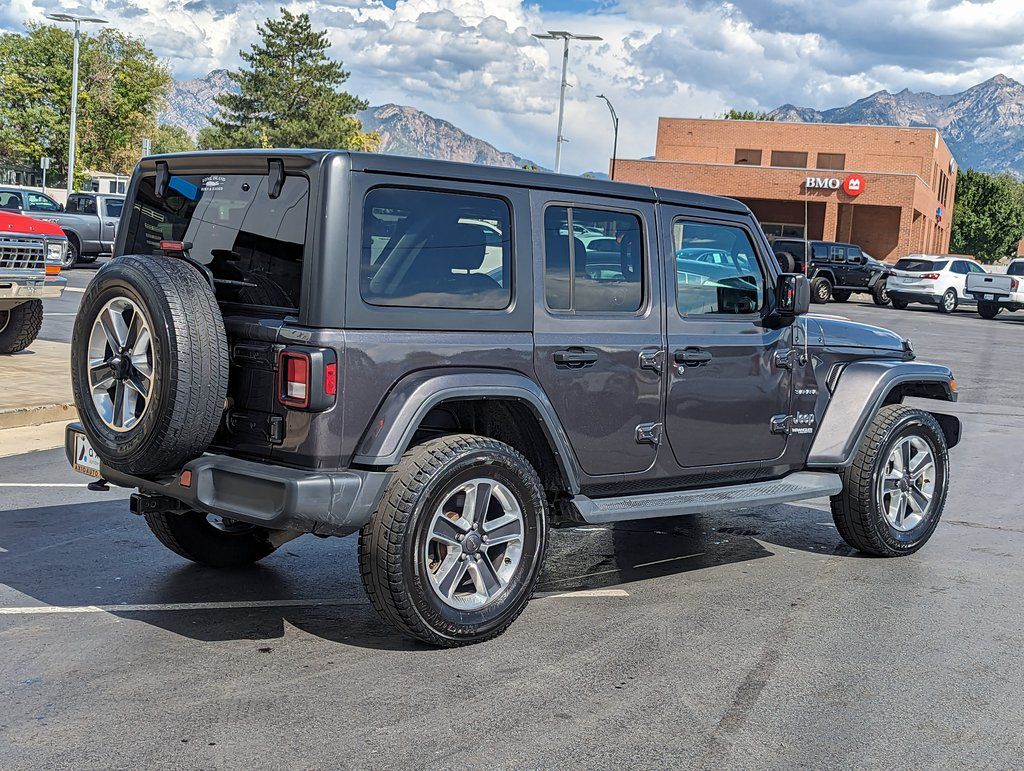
x=565, y=37
x=615, y=128
x=77, y=20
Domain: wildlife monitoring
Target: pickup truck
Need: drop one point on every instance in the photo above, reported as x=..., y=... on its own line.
x=996, y=292
x=89, y=219
x=31, y=255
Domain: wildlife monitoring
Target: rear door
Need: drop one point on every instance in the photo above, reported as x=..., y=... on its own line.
x=729, y=380
x=598, y=340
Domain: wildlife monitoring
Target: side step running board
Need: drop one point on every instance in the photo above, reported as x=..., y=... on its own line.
x=795, y=487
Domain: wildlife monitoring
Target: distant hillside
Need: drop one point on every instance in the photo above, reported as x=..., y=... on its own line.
x=983, y=126
x=403, y=130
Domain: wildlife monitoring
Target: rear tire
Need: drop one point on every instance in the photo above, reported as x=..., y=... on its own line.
x=841, y=295
x=948, y=302
x=226, y=544
x=821, y=290
x=423, y=559
x=988, y=310
x=868, y=512
x=74, y=252
x=20, y=325
x=182, y=368
x=880, y=293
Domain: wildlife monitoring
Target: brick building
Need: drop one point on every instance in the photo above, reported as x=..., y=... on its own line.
x=889, y=190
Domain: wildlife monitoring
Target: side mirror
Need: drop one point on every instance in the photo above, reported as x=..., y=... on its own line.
x=792, y=296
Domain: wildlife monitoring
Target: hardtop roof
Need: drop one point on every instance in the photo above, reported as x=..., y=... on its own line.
x=472, y=172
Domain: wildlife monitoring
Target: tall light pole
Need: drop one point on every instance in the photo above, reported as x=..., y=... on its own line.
x=615, y=126
x=565, y=37
x=77, y=20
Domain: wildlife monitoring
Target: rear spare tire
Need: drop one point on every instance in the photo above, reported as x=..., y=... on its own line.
x=149, y=364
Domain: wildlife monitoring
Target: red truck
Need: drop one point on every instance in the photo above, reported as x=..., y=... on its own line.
x=31, y=255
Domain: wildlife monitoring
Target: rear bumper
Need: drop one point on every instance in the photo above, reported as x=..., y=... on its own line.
x=276, y=497
x=914, y=297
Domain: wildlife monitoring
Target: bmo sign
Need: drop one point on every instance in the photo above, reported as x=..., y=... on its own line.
x=853, y=185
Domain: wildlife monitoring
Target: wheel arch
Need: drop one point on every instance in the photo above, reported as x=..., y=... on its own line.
x=507, y=406
x=865, y=387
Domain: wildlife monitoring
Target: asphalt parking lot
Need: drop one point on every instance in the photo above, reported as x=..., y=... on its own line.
x=754, y=639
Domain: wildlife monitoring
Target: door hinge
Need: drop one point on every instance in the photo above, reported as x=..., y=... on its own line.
x=785, y=359
x=652, y=360
x=648, y=433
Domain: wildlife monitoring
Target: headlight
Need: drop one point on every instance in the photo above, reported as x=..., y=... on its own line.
x=56, y=251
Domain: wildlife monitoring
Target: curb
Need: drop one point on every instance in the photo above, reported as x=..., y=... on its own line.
x=33, y=416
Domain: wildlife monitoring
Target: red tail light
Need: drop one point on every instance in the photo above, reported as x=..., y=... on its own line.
x=1014, y=284
x=295, y=379
x=331, y=379
x=932, y=276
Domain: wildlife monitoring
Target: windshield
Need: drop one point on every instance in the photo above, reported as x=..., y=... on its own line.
x=920, y=266
x=252, y=243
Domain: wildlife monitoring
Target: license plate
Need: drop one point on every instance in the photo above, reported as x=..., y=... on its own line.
x=989, y=297
x=86, y=459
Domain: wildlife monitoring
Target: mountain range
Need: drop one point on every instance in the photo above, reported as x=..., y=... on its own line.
x=983, y=125
x=403, y=130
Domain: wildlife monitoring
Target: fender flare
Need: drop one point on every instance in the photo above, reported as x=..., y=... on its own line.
x=399, y=415
x=824, y=273
x=861, y=391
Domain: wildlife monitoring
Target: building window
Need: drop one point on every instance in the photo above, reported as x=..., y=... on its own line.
x=832, y=161
x=748, y=158
x=943, y=187
x=789, y=159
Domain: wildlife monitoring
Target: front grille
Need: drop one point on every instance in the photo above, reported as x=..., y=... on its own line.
x=22, y=253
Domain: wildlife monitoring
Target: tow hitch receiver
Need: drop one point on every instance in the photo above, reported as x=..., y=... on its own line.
x=144, y=503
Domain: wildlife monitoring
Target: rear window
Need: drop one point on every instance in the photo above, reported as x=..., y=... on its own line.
x=921, y=266
x=1016, y=269
x=252, y=243
x=114, y=207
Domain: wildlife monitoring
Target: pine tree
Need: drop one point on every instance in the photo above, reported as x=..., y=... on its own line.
x=289, y=94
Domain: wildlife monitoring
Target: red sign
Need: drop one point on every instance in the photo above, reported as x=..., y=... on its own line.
x=854, y=185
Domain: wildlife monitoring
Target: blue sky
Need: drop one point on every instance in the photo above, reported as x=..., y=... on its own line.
x=474, y=62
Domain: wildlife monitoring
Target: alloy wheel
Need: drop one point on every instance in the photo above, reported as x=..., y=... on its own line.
x=121, y=364
x=906, y=487
x=474, y=543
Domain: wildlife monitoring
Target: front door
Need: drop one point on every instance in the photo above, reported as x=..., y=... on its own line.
x=729, y=378
x=598, y=339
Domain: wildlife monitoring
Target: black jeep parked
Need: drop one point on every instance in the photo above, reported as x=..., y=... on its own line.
x=837, y=270
x=450, y=359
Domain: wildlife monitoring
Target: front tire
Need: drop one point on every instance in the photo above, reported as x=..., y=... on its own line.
x=73, y=253
x=948, y=301
x=210, y=541
x=453, y=553
x=821, y=290
x=20, y=325
x=895, y=489
x=900, y=305
x=880, y=293
x=841, y=295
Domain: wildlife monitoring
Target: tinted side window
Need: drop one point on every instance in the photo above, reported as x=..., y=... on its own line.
x=81, y=204
x=820, y=252
x=599, y=269
x=735, y=287
x=427, y=249
x=854, y=253
x=838, y=254
x=39, y=202
x=1016, y=269
x=10, y=201
x=114, y=206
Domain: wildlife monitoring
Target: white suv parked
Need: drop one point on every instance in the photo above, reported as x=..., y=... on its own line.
x=939, y=280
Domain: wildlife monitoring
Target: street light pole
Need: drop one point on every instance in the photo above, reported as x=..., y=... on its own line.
x=565, y=37
x=77, y=21
x=615, y=127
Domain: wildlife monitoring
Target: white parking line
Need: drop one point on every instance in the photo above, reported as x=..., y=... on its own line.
x=44, y=484
x=584, y=593
x=80, y=290
x=171, y=606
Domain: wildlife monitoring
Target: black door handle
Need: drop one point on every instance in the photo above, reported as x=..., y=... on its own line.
x=692, y=356
x=575, y=357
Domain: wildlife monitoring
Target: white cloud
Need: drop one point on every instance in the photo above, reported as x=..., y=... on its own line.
x=474, y=62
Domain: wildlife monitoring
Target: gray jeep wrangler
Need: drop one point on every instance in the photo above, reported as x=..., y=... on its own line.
x=450, y=359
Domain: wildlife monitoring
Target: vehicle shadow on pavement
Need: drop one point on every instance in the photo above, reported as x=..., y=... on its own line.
x=97, y=554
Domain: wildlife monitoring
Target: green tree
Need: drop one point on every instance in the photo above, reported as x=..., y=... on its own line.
x=172, y=139
x=121, y=87
x=288, y=94
x=748, y=115
x=988, y=215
